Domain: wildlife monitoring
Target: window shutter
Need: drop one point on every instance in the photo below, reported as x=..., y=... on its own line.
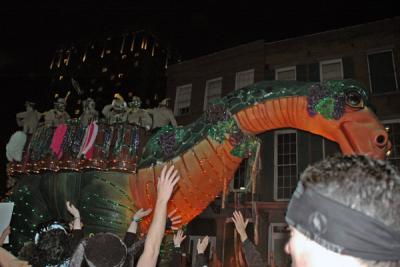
x=269, y=74
x=382, y=72
x=313, y=72
x=301, y=72
x=348, y=68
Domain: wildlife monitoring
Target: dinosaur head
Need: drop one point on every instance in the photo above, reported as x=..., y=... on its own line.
x=339, y=111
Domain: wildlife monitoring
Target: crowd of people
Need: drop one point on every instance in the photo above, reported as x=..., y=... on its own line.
x=344, y=212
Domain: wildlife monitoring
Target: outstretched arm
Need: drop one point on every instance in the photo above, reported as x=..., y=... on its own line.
x=4, y=235
x=201, y=259
x=172, y=119
x=169, y=178
x=176, y=254
x=253, y=256
x=139, y=215
x=130, y=236
x=7, y=259
x=106, y=110
x=173, y=221
x=77, y=217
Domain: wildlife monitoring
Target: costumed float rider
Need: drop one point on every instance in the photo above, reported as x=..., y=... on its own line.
x=89, y=113
x=28, y=119
x=162, y=115
x=57, y=115
x=116, y=111
x=138, y=116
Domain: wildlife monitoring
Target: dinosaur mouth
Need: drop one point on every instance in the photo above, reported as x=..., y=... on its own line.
x=358, y=140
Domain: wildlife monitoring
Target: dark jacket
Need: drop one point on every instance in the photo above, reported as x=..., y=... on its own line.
x=76, y=237
x=201, y=259
x=253, y=256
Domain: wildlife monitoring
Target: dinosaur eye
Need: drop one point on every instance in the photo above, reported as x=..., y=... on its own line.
x=354, y=99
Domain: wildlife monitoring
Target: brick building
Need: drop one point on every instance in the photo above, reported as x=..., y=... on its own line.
x=369, y=53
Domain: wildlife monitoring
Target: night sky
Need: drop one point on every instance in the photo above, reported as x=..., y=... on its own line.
x=30, y=31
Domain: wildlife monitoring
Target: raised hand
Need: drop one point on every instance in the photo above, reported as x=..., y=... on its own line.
x=72, y=209
x=173, y=221
x=202, y=245
x=178, y=238
x=140, y=214
x=240, y=224
x=166, y=183
x=76, y=223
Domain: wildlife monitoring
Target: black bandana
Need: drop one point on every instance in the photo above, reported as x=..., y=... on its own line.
x=340, y=228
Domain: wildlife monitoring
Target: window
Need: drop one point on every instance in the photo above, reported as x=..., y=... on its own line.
x=192, y=249
x=244, y=78
x=278, y=236
x=286, y=74
x=182, y=99
x=381, y=70
x=393, y=128
x=241, y=178
x=285, y=164
x=331, y=69
x=329, y=148
x=213, y=90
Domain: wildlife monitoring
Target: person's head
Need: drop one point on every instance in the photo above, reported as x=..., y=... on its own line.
x=29, y=105
x=118, y=104
x=51, y=245
x=60, y=104
x=346, y=212
x=89, y=104
x=102, y=249
x=105, y=249
x=135, y=103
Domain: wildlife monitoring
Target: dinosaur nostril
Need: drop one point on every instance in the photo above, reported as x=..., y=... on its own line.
x=380, y=139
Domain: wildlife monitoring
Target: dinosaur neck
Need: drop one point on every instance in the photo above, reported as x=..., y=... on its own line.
x=284, y=112
x=208, y=166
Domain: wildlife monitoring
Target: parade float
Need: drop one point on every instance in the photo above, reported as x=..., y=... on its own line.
x=110, y=170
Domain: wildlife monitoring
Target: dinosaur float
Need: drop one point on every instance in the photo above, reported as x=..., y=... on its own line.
x=108, y=189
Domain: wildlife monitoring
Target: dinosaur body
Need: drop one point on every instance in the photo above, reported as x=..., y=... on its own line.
x=206, y=153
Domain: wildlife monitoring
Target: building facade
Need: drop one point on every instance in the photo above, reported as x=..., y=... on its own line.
x=369, y=53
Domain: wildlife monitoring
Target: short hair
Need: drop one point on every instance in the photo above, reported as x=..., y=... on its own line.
x=367, y=185
x=105, y=249
x=53, y=248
